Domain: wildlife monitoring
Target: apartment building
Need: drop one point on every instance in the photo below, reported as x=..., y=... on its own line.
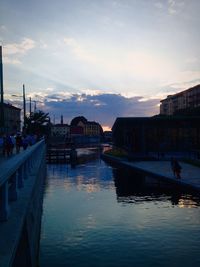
x=187, y=99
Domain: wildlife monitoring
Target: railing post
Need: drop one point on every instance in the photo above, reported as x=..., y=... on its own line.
x=29, y=164
x=4, y=207
x=25, y=169
x=10, y=184
x=13, y=187
x=20, y=177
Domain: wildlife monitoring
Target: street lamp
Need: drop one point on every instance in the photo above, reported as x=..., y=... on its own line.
x=2, y=122
x=30, y=107
x=36, y=101
x=24, y=103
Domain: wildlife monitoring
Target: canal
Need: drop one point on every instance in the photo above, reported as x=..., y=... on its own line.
x=97, y=215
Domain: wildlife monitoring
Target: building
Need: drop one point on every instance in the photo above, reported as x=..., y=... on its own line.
x=76, y=131
x=188, y=99
x=157, y=134
x=90, y=128
x=85, y=132
x=60, y=130
x=9, y=115
x=11, y=119
x=107, y=136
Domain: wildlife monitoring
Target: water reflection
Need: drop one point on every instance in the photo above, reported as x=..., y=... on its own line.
x=134, y=187
x=100, y=216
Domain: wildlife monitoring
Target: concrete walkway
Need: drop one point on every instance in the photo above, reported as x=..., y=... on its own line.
x=190, y=175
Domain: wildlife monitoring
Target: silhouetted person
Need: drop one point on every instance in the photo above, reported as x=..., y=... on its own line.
x=176, y=167
x=18, y=142
x=172, y=166
x=8, y=145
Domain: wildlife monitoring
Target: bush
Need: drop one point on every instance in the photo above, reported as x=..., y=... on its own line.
x=117, y=152
x=192, y=162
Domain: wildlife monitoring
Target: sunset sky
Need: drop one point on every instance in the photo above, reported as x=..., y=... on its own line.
x=99, y=58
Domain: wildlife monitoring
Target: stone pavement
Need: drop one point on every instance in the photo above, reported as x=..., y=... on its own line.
x=190, y=175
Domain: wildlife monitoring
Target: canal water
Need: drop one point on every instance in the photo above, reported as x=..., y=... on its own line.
x=97, y=215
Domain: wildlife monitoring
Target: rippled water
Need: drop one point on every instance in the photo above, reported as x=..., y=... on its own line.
x=99, y=216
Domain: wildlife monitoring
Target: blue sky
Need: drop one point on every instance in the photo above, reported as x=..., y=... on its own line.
x=101, y=59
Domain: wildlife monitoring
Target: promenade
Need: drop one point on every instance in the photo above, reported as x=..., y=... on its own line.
x=190, y=175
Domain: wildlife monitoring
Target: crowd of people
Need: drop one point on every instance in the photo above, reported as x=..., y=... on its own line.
x=10, y=143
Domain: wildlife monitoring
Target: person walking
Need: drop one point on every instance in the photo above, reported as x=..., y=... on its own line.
x=8, y=145
x=18, y=142
x=176, y=167
x=172, y=166
x=12, y=136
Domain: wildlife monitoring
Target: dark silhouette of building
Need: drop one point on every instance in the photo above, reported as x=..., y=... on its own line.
x=158, y=133
x=11, y=119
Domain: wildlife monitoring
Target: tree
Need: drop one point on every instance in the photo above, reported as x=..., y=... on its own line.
x=37, y=123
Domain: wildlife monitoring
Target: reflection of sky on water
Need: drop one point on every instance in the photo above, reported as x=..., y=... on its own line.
x=98, y=216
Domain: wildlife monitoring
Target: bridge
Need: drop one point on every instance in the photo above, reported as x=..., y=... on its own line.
x=21, y=194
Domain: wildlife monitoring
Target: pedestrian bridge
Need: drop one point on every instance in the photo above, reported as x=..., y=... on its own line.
x=21, y=194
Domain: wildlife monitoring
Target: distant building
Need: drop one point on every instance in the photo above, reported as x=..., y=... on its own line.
x=76, y=131
x=84, y=131
x=77, y=120
x=107, y=136
x=90, y=128
x=60, y=130
x=157, y=134
x=11, y=119
x=188, y=99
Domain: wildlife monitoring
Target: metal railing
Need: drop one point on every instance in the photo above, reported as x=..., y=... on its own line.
x=13, y=174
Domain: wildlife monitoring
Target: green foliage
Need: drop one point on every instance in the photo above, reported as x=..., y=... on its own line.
x=192, y=162
x=38, y=123
x=117, y=152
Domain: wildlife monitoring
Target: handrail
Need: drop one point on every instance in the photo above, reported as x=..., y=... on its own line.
x=14, y=172
x=12, y=164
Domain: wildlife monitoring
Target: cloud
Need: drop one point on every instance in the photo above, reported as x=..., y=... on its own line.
x=14, y=51
x=159, y=5
x=172, y=6
x=79, y=50
x=3, y=28
x=176, y=87
x=103, y=108
x=13, y=61
x=175, y=6
x=19, y=49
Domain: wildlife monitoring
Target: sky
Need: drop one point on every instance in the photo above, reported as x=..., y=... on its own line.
x=99, y=58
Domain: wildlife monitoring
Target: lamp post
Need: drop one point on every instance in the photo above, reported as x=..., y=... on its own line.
x=24, y=103
x=30, y=109
x=35, y=102
x=2, y=119
x=30, y=105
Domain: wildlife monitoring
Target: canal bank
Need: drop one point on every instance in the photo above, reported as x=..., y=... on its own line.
x=190, y=176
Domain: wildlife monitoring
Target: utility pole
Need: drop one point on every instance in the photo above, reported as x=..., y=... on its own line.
x=2, y=121
x=30, y=107
x=34, y=106
x=24, y=106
